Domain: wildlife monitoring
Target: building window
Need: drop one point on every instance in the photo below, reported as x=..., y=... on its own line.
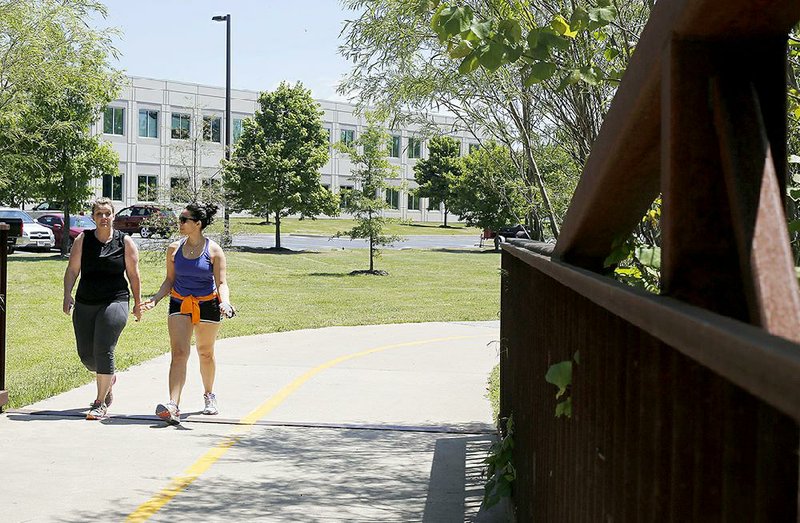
x=237, y=129
x=180, y=126
x=347, y=136
x=113, y=120
x=211, y=128
x=413, y=202
x=148, y=123
x=211, y=189
x=112, y=186
x=344, y=195
x=327, y=135
x=148, y=188
x=178, y=189
x=414, y=148
x=392, y=198
x=394, y=147
x=473, y=147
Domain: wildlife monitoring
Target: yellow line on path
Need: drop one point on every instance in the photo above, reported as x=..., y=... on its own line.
x=154, y=504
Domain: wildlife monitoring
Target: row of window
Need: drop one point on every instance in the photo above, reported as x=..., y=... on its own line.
x=147, y=191
x=180, y=125
x=392, y=197
x=181, y=129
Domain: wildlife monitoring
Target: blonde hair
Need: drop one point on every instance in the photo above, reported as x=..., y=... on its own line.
x=102, y=201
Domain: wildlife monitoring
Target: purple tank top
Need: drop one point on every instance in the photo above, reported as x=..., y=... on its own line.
x=194, y=277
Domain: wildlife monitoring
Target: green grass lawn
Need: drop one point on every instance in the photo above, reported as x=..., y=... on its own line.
x=272, y=292
x=329, y=227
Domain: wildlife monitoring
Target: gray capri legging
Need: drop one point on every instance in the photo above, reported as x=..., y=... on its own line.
x=97, y=329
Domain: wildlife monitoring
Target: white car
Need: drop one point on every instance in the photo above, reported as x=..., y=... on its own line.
x=34, y=235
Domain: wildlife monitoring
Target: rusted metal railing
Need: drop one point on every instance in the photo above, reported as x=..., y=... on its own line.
x=685, y=405
x=4, y=230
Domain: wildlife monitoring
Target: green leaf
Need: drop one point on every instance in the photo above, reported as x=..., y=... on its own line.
x=579, y=19
x=481, y=29
x=589, y=75
x=649, y=256
x=564, y=408
x=513, y=53
x=561, y=27
x=461, y=50
x=452, y=21
x=603, y=3
x=469, y=64
x=560, y=375
x=794, y=226
x=533, y=38
x=511, y=29
x=540, y=71
x=611, y=53
x=491, y=56
x=794, y=193
x=602, y=15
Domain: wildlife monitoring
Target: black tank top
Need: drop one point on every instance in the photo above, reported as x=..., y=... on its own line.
x=102, y=270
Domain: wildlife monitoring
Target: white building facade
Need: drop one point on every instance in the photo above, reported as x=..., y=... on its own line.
x=165, y=130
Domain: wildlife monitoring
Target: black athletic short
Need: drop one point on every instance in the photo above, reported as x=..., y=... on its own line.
x=209, y=310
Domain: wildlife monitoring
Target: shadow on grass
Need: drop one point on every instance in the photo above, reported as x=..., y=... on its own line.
x=26, y=257
x=269, y=250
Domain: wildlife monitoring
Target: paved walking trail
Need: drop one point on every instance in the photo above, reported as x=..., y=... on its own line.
x=370, y=423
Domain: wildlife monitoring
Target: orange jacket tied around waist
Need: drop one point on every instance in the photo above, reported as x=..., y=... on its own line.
x=191, y=304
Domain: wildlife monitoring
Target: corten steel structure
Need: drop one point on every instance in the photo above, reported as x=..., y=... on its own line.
x=4, y=229
x=685, y=405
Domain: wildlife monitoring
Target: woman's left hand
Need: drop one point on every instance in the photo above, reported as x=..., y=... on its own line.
x=137, y=311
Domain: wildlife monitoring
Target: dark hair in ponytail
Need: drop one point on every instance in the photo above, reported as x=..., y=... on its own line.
x=204, y=213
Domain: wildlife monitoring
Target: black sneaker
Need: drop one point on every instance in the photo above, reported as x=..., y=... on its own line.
x=169, y=412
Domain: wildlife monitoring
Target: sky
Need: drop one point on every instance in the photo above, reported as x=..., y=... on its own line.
x=271, y=41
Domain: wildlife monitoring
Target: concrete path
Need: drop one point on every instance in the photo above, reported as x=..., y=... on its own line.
x=371, y=423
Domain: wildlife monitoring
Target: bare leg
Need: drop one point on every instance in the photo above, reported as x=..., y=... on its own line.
x=103, y=386
x=180, y=338
x=205, y=336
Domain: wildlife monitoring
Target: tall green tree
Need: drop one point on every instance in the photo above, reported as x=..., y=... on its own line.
x=438, y=174
x=275, y=166
x=55, y=80
x=489, y=194
x=371, y=167
x=407, y=63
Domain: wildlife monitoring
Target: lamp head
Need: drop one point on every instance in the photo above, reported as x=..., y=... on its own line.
x=219, y=18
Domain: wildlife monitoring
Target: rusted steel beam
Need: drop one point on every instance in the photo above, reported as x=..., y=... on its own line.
x=767, y=366
x=654, y=435
x=699, y=262
x=621, y=177
x=756, y=198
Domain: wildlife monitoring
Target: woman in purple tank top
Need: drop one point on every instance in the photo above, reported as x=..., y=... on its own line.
x=197, y=285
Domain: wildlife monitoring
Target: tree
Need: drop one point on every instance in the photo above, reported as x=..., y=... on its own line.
x=488, y=194
x=439, y=173
x=275, y=166
x=365, y=202
x=55, y=79
x=403, y=66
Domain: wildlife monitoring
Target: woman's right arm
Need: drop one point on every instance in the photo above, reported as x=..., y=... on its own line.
x=72, y=272
x=166, y=286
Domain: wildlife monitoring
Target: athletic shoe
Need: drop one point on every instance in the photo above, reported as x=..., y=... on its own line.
x=211, y=404
x=110, y=395
x=169, y=412
x=98, y=411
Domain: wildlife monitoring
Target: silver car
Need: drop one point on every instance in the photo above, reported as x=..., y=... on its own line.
x=34, y=235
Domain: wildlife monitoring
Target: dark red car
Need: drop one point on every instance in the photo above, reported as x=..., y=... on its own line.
x=132, y=219
x=55, y=221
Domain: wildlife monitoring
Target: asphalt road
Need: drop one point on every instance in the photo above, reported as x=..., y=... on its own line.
x=322, y=243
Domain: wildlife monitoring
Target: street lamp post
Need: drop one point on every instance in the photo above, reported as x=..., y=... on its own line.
x=226, y=230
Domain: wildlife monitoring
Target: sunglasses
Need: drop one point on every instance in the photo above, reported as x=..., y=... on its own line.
x=184, y=219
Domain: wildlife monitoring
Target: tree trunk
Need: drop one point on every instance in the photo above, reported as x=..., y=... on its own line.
x=371, y=243
x=534, y=170
x=277, y=230
x=445, y=214
x=65, y=229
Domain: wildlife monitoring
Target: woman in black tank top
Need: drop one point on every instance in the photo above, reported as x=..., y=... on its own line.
x=103, y=258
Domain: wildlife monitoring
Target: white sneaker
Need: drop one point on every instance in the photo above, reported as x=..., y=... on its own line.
x=169, y=412
x=211, y=404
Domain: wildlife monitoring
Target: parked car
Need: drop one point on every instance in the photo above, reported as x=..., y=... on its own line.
x=55, y=222
x=34, y=235
x=513, y=231
x=132, y=219
x=43, y=208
